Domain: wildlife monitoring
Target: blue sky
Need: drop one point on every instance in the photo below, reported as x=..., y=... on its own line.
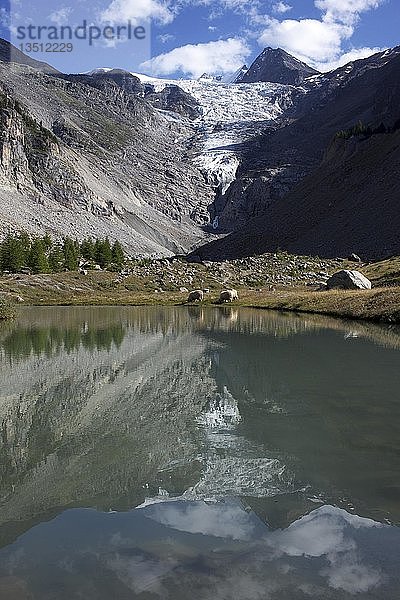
x=184, y=38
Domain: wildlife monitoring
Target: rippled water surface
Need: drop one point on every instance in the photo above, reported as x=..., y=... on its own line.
x=209, y=454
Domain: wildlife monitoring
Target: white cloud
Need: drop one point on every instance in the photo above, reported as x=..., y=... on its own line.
x=198, y=517
x=346, y=11
x=331, y=533
x=281, y=7
x=220, y=57
x=137, y=11
x=61, y=16
x=356, y=54
x=320, y=42
x=309, y=39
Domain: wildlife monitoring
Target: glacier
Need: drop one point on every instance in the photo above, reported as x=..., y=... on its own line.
x=231, y=114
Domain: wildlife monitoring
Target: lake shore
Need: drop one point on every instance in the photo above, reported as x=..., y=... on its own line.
x=379, y=304
x=274, y=281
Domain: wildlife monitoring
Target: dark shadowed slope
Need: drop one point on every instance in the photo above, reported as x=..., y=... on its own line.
x=350, y=204
x=265, y=193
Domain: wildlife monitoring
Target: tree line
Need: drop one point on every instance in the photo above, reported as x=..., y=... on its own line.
x=360, y=129
x=45, y=255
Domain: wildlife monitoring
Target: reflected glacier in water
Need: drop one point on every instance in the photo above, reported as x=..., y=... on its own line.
x=233, y=466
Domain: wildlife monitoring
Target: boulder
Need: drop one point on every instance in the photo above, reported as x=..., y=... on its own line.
x=354, y=258
x=348, y=280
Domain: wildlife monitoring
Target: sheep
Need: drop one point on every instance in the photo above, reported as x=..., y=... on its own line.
x=196, y=296
x=228, y=296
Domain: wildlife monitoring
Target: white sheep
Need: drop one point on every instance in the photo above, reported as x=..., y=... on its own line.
x=228, y=296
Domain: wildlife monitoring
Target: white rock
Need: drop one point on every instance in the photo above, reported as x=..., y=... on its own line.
x=348, y=280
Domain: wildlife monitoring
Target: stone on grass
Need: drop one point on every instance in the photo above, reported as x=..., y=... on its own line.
x=348, y=280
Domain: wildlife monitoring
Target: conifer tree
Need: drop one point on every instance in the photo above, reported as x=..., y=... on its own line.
x=87, y=249
x=12, y=254
x=70, y=255
x=118, y=256
x=25, y=242
x=56, y=258
x=103, y=254
x=47, y=242
x=37, y=260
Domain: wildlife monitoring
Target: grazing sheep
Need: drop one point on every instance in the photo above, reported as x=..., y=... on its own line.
x=228, y=296
x=196, y=296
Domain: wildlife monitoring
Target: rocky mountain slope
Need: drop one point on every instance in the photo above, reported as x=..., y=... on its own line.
x=230, y=116
x=11, y=54
x=78, y=157
x=349, y=204
x=110, y=132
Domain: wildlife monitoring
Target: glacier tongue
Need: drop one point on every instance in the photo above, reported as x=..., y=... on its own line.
x=231, y=115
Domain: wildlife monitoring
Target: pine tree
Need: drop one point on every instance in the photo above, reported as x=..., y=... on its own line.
x=12, y=255
x=103, y=254
x=56, y=258
x=47, y=242
x=25, y=242
x=37, y=260
x=118, y=256
x=70, y=255
x=87, y=249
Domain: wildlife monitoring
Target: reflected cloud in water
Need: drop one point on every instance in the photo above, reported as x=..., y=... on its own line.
x=201, y=517
x=217, y=550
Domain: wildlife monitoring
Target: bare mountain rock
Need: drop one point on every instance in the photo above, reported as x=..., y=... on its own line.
x=174, y=98
x=307, y=163
x=276, y=66
x=11, y=54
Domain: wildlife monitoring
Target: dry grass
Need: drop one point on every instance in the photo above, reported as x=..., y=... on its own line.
x=385, y=272
x=381, y=304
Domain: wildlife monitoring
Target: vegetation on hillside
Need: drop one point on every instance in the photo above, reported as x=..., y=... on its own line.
x=21, y=253
x=362, y=130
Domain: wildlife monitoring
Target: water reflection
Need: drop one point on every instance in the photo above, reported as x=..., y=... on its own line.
x=216, y=551
x=22, y=343
x=106, y=407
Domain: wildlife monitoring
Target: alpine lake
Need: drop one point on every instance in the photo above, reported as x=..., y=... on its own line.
x=181, y=453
